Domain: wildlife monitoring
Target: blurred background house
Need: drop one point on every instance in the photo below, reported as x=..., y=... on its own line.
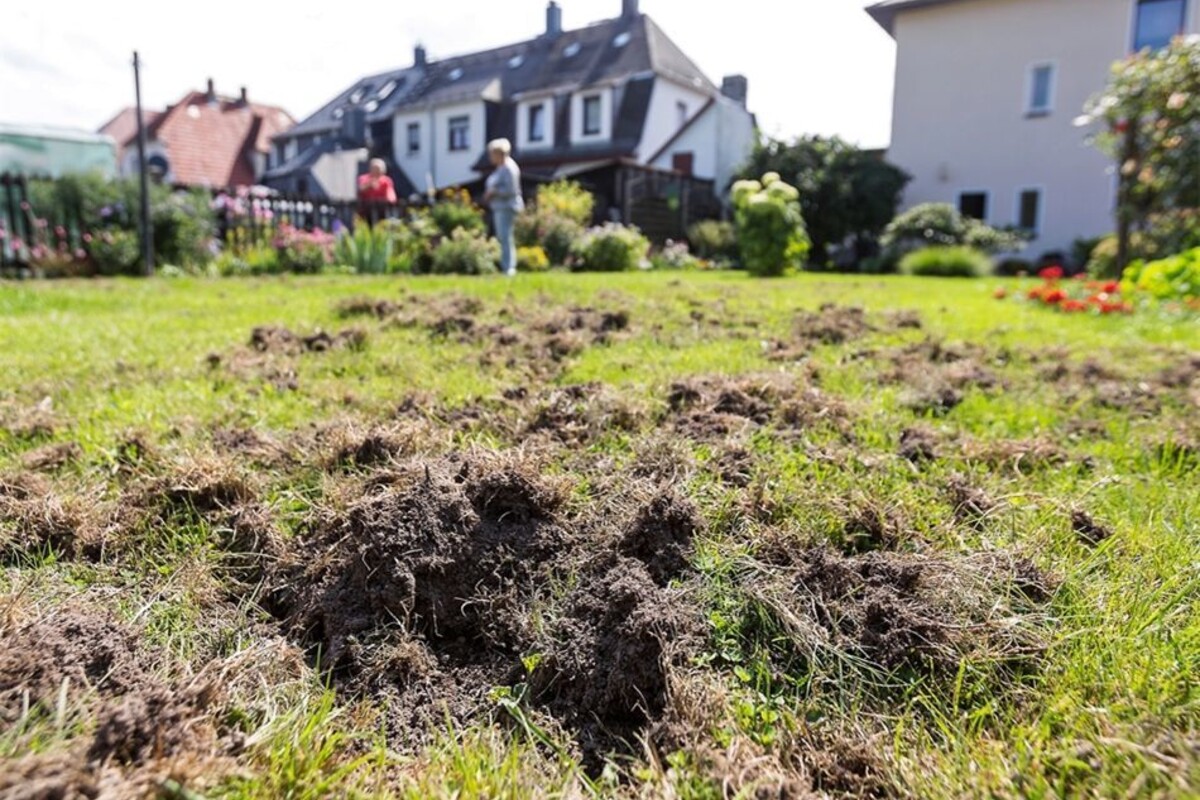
x=205, y=140
x=49, y=152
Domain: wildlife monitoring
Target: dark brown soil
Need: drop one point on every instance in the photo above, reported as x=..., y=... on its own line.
x=715, y=408
x=152, y=723
x=80, y=649
x=61, y=776
x=52, y=457
x=1090, y=532
x=918, y=445
x=35, y=518
x=971, y=505
x=273, y=339
x=426, y=589
x=582, y=414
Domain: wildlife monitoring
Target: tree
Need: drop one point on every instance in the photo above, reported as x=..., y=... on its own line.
x=844, y=191
x=1149, y=123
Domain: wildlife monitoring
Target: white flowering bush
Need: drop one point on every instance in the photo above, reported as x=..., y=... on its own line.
x=770, y=227
x=611, y=248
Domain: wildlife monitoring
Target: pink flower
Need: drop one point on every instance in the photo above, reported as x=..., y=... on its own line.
x=87, y=238
x=80, y=255
x=60, y=231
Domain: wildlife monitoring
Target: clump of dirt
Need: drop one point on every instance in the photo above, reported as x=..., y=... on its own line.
x=274, y=339
x=438, y=584
x=80, y=649
x=905, y=613
x=1183, y=374
x=155, y=722
x=869, y=526
x=938, y=375
x=661, y=536
x=713, y=408
x=52, y=457
x=830, y=325
x=1090, y=532
x=36, y=517
x=919, y=445
x=249, y=444
x=59, y=776
x=905, y=319
x=583, y=413
x=367, y=307
x=971, y=504
x=29, y=422
x=1020, y=456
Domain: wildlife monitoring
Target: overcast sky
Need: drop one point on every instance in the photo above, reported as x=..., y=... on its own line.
x=815, y=66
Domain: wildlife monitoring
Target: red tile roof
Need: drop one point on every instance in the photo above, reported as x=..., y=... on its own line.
x=210, y=141
x=123, y=127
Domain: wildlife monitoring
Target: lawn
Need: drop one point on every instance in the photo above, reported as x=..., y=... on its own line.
x=688, y=535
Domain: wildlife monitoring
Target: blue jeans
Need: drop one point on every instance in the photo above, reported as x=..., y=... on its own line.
x=505, y=219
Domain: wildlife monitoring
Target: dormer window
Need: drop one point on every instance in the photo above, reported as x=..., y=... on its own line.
x=386, y=91
x=592, y=108
x=356, y=97
x=572, y=50
x=622, y=39
x=537, y=123
x=1158, y=22
x=516, y=61
x=455, y=74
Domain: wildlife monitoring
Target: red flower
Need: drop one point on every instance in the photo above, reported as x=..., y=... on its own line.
x=1074, y=306
x=1052, y=273
x=1054, y=298
x=1112, y=287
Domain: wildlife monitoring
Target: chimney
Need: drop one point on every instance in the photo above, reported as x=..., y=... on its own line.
x=420, y=57
x=553, y=20
x=212, y=91
x=736, y=88
x=629, y=9
x=245, y=97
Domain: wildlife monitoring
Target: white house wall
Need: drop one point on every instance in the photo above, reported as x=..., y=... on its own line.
x=721, y=141
x=961, y=102
x=446, y=167
x=701, y=141
x=662, y=117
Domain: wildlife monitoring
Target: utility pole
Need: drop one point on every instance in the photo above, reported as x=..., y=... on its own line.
x=147, y=231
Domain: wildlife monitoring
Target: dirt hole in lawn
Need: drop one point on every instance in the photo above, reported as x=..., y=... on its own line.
x=450, y=585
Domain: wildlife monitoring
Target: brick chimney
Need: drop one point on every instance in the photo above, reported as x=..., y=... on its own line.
x=629, y=9
x=420, y=57
x=736, y=88
x=212, y=91
x=554, y=20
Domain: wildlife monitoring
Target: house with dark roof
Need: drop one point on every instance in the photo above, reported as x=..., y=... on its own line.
x=205, y=140
x=575, y=103
x=987, y=97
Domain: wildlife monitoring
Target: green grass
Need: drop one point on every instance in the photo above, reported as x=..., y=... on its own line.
x=1111, y=709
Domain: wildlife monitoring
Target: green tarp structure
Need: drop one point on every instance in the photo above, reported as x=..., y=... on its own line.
x=45, y=152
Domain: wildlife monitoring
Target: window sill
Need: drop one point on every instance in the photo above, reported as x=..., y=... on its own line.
x=1038, y=114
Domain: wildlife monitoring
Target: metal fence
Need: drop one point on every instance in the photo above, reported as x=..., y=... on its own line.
x=16, y=224
x=255, y=218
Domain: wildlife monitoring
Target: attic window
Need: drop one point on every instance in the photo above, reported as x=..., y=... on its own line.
x=572, y=50
x=622, y=39
x=455, y=74
x=386, y=91
x=371, y=106
x=338, y=113
x=356, y=97
x=516, y=61
x=193, y=111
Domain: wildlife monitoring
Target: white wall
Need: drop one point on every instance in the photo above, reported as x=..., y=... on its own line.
x=721, y=141
x=662, y=117
x=960, y=123
x=448, y=168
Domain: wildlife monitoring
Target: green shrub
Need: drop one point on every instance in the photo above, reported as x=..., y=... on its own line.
x=456, y=210
x=675, y=256
x=610, y=248
x=566, y=199
x=1173, y=278
x=184, y=228
x=413, y=240
x=303, y=252
x=1168, y=233
x=770, y=227
x=116, y=252
x=466, y=253
x=367, y=250
x=946, y=262
x=532, y=259
x=1102, y=263
x=713, y=240
x=941, y=225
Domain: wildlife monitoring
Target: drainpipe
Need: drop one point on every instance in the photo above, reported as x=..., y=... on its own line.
x=432, y=154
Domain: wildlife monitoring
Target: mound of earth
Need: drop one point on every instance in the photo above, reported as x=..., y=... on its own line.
x=713, y=408
x=442, y=583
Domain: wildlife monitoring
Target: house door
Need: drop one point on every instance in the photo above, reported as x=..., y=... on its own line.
x=684, y=162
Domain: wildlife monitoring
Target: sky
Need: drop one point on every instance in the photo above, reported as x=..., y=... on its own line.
x=814, y=66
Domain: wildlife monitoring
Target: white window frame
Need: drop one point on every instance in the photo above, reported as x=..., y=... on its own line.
x=409, y=150
x=450, y=133
x=1051, y=92
x=1041, y=209
x=549, y=132
x=595, y=100
x=987, y=201
x=1133, y=22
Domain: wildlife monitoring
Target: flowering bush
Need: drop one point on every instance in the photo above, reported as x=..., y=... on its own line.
x=676, y=255
x=300, y=251
x=941, y=224
x=456, y=210
x=1076, y=296
x=1170, y=279
x=713, y=240
x=532, y=259
x=567, y=200
x=554, y=233
x=115, y=252
x=947, y=262
x=466, y=252
x=611, y=248
x=770, y=227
